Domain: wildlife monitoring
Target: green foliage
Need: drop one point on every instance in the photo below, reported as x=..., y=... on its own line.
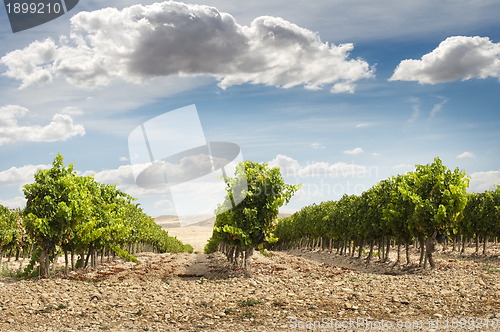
x=439, y=196
x=56, y=202
x=416, y=204
x=481, y=215
x=29, y=270
x=11, y=231
x=123, y=254
x=72, y=212
x=251, y=222
x=399, y=209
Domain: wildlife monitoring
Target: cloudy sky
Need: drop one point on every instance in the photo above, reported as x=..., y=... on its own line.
x=339, y=94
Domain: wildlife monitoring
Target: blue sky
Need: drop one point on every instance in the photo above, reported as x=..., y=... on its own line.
x=321, y=89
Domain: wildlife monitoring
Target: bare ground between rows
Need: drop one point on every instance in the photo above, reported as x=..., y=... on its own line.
x=197, y=292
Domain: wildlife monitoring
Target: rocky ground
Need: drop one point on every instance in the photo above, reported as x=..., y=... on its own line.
x=295, y=289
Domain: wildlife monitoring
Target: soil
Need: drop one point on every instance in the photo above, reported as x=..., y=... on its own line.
x=304, y=289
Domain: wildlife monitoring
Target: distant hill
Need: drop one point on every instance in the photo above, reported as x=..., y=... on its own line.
x=207, y=222
x=168, y=221
x=171, y=221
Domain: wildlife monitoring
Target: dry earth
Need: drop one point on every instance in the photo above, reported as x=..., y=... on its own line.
x=197, y=236
x=294, y=289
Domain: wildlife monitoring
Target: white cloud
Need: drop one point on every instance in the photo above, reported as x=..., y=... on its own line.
x=343, y=87
x=59, y=129
x=359, y=20
x=205, y=195
x=122, y=176
x=32, y=66
x=170, y=38
x=20, y=175
x=354, y=151
x=317, y=146
x=482, y=181
x=194, y=194
x=16, y=202
x=466, y=155
x=290, y=167
x=286, y=164
x=456, y=58
x=362, y=125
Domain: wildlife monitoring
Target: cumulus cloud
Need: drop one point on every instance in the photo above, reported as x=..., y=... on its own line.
x=291, y=167
x=354, y=151
x=285, y=163
x=122, y=176
x=466, y=155
x=172, y=38
x=59, y=129
x=456, y=58
x=482, y=181
x=32, y=65
x=20, y=175
x=199, y=197
x=16, y=202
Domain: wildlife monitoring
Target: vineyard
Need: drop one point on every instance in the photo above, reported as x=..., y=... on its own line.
x=292, y=280
x=424, y=206
x=73, y=215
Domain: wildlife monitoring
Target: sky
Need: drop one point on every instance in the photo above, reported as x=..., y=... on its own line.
x=338, y=94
